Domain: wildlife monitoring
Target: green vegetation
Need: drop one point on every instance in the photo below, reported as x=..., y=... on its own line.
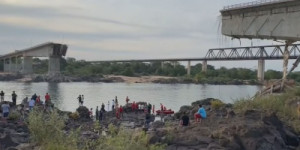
x=217, y=104
x=73, y=67
x=284, y=105
x=46, y=131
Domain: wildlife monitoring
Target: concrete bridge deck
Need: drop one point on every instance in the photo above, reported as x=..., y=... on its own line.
x=21, y=60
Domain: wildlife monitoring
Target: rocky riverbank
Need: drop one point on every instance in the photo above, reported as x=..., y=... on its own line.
x=223, y=129
x=119, y=78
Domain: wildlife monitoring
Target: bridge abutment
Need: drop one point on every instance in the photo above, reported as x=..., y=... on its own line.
x=261, y=70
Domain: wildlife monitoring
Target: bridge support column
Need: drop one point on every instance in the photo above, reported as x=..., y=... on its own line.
x=54, y=65
x=189, y=68
x=204, y=66
x=261, y=70
x=10, y=64
x=27, y=65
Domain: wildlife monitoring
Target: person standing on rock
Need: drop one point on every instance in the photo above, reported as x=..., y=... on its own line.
x=201, y=114
x=121, y=111
x=97, y=113
x=103, y=107
x=14, y=98
x=5, y=110
x=2, y=96
x=113, y=105
x=127, y=100
x=79, y=100
x=116, y=100
x=47, y=98
x=82, y=100
x=31, y=104
x=101, y=115
x=185, y=120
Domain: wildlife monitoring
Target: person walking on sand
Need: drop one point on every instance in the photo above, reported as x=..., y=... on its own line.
x=14, y=98
x=201, y=114
x=2, y=96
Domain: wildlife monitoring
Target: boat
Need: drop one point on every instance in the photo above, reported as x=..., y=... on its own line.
x=166, y=112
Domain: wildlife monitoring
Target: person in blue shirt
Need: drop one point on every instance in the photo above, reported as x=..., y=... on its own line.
x=200, y=114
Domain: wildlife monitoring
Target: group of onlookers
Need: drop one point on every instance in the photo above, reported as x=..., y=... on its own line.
x=35, y=100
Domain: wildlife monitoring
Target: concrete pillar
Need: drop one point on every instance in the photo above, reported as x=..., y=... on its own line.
x=27, y=65
x=174, y=64
x=6, y=65
x=54, y=65
x=261, y=70
x=189, y=68
x=204, y=66
x=10, y=65
x=162, y=65
x=16, y=64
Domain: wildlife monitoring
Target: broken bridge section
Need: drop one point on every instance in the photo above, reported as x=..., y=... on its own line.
x=265, y=19
x=20, y=61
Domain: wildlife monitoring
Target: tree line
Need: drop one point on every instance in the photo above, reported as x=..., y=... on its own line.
x=73, y=67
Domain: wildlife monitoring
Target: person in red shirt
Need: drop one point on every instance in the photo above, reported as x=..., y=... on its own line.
x=47, y=97
x=121, y=110
x=133, y=106
x=38, y=99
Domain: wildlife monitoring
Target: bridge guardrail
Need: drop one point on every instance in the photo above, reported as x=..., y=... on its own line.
x=252, y=4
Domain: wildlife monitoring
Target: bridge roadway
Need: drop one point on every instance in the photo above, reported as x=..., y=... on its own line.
x=260, y=53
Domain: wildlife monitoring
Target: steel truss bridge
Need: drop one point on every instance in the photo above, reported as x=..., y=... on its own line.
x=268, y=52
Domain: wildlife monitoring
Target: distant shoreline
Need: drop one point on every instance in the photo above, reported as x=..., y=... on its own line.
x=121, y=79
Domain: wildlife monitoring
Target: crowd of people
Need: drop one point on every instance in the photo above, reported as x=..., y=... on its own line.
x=26, y=104
x=117, y=110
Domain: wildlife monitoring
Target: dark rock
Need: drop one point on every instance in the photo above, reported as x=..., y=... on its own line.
x=7, y=142
x=157, y=124
x=83, y=112
x=206, y=101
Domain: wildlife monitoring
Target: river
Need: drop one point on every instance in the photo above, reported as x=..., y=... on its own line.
x=64, y=95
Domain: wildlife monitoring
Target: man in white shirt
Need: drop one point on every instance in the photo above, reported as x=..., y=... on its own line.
x=31, y=104
x=5, y=109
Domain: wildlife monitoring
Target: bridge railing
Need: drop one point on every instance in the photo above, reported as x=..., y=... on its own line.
x=252, y=4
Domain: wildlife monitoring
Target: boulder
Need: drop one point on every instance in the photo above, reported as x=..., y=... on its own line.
x=83, y=112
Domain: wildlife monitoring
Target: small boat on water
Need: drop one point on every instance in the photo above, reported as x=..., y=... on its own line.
x=166, y=112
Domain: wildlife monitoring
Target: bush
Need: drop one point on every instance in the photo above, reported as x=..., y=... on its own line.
x=14, y=115
x=126, y=140
x=47, y=131
x=217, y=104
x=284, y=105
x=74, y=115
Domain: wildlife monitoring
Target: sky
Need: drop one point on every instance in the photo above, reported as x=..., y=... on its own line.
x=122, y=29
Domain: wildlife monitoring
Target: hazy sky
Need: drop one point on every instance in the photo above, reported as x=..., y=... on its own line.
x=121, y=29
